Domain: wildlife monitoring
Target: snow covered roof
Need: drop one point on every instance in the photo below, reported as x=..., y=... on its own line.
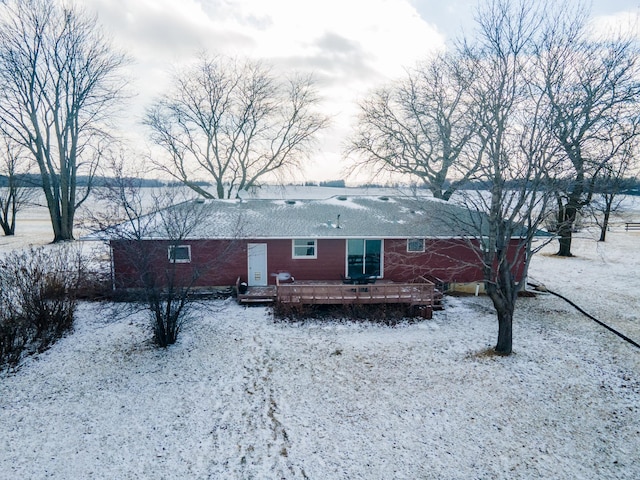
x=334, y=217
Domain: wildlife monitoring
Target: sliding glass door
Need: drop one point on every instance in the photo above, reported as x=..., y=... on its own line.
x=364, y=257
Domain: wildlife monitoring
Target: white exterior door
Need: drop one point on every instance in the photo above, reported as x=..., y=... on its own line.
x=257, y=255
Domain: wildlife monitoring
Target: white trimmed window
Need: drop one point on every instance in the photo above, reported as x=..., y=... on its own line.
x=415, y=245
x=305, y=248
x=179, y=253
x=364, y=257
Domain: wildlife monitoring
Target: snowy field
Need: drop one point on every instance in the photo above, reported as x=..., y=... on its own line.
x=242, y=396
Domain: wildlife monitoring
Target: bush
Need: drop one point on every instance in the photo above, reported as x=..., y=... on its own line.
x=387, y=314
x=14, y=336
x=37, y=299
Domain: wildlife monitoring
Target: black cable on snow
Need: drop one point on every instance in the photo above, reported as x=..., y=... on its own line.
x=611, y=329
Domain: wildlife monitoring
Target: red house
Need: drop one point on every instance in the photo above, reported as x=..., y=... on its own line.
x=398, y=239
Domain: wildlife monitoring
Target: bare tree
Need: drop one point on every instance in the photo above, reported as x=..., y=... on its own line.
x=58, y=80
x=421, y=127
x=234, y=123
x=593, y=87
x=508, y=148
x=518, y=150
x=166, y=292
x=127, y=216
x=149, y=229
x=15, y=191
x=123, y=207
x=608, y=186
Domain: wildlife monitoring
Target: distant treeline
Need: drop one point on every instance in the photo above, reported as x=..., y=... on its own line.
x=624, y=186
x=627, y=186
x=328, y=183
x=34, y=180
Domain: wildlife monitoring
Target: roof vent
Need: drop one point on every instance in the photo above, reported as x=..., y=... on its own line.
x=342, y=198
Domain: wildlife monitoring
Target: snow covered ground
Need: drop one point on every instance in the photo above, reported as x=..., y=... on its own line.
x=243, y=396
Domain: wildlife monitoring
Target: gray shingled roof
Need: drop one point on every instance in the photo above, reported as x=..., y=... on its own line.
x=334, y=217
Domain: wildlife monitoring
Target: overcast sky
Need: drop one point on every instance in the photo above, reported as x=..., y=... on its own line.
x=351, y=46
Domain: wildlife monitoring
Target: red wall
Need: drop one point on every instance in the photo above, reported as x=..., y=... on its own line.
x=221, y=262
x=450, y=260
x=329, y=264
x=213, y=262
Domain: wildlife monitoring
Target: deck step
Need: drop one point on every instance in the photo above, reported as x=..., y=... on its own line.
x=256, y=299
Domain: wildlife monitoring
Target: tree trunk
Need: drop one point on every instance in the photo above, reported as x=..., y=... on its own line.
x=503, y=293
x=605, y=221
x=62, y=224
x=60, y=220
x=505, y=331
x=220, y=189
x=67, y=222
x=6, y=228
x=62, y=216
x=603, y=228
x=7, y=223
x=436, y=191
x=565, y=243
x=504, y=301
x=566, y=220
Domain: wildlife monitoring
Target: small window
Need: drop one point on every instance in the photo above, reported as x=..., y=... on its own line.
x=415, y=245
x=304, y=248
x=180, y=253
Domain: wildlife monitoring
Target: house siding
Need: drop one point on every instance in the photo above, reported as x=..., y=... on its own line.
x=450, y=260
x=213, y=262
x=328, y=264
x=221, y=262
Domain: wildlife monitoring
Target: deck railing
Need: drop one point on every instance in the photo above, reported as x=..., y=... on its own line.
x=414, y=294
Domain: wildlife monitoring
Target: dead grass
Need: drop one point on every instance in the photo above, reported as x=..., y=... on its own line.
x=488, y=352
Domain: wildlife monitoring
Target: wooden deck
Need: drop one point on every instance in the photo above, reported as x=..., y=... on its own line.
x=266, y=294
x=336, y=293
x=410, y=293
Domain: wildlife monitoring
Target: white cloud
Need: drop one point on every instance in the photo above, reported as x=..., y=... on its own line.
x=623, y=22
x=349, y=45
x=388, y=34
